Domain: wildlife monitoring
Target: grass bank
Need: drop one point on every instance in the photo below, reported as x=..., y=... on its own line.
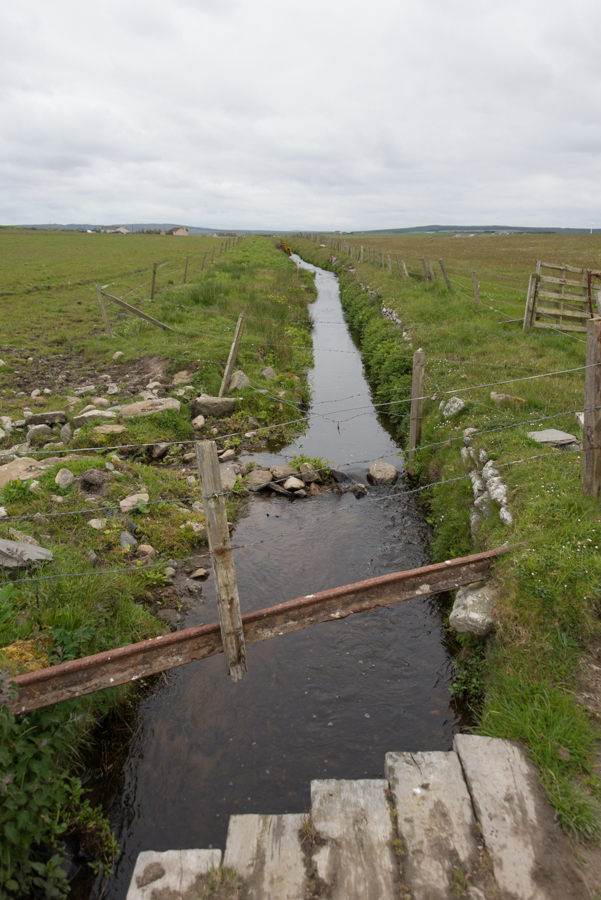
x=526, y=680
x=54, y=347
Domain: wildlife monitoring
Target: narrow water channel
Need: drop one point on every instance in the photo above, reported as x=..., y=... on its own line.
x=327, y=702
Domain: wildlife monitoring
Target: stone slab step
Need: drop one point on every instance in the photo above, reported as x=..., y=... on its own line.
x=436, y=824
x=355, y=860
x=530, y=856
x=172, y=874
x=265, y=852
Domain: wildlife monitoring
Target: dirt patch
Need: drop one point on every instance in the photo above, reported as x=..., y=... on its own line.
x=589, y=695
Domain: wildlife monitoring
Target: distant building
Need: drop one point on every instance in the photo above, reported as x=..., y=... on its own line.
x=120, y=230
x=225, y=234
x=178, y=230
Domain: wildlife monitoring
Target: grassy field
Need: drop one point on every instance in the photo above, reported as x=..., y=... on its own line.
x=532, y=680
x=53, y=340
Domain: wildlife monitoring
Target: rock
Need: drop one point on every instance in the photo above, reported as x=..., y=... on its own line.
x=93, y=416
x=98, y=524
x=3, y=512
x=34, y=488
x=269, y=373
x=382, y=473
x=339, y=477
x=505, y=516
x=117, y=355
x=109, y=429
x=316, y=489
x=212, y=406
x=22, y=537
x=127, y=541
x=101, y=403
x=484, y=505
x=475, y=522
x=47, y=391
x=227, y=455
x=489, y=471
x=309, y=473
x=250, y=434
x=196, y=527
x=229, y=476
x=294, y=484
x=238, y=381
x=170, y=571
x=505, y=398
x=45, y=418
x=7, y=424
x=191, y=479
x=198, y=422
x=467, y=435
x=552, y=437
x=465, y=456
x=129, y=503
x=86, y=389
x=172, y=617
x=92, y=556
x=497, y=491
x=197, y=506
x=482, y=457
x=147, y=550
x=112, y=389
x=200, y=573
x=278, y=489
x=64, y=478
x=18, y=468
x=54, y=445
x=183, y=377
x=258, y=479
x=2, y=434
x=93, y=479
x=35, y=393
x=153, y=385
x=281, y=473
x=38, y=434
x=56, y=498
x=147, y=395
x=16, y=554
x=478, y=485
x=359, y=490
x=158, y=451
x=109, y=466
x=301, y=493
x=149, y=407
x=66, y=433
x=472, y=609
x=452, y=407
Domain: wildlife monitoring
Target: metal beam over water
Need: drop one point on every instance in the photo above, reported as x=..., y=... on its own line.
x=125, y=664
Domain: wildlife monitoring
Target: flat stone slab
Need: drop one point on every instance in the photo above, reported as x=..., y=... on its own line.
x=149, y=408
x=46, y=418
x=357, y=861
x=212, y=406
x=17, y=554
x=530, y=855
x=16, y=469
x=94, y=415
x=172, y=874
x=258, y=479
x=552, y=437
x=109, y=429
x=436, y=823
x=266, y=853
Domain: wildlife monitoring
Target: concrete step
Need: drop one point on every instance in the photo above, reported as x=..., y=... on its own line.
x=355, y=858
x=265, y=852
x=530, y=856
x=172, y=874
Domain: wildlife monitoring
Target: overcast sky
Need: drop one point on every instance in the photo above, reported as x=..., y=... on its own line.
x=334, y=114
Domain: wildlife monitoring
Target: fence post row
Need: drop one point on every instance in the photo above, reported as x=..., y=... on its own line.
x=591, y=431
x=230, y=617
x=417, y=403
x=476, y=288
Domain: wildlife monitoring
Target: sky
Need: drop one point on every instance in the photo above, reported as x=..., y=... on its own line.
x=315, y=115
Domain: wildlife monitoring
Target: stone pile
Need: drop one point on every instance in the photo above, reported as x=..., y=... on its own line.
x=289, y=481
x=490, y=491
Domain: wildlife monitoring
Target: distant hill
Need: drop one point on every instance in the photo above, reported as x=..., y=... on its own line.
x=477, y=229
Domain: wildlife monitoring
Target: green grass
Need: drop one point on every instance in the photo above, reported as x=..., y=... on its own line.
x=522, y=684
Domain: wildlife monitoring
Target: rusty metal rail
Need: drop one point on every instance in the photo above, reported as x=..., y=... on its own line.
x=125, y=664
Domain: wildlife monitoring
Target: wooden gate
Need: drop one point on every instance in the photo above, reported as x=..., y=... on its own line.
x=561, y=297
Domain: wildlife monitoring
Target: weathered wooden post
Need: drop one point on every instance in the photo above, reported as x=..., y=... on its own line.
x=432, y=273
x=591, y=431
x=203, y=261
x=226, y=588
x=417, y=403
x=389, y=264
x=405, y=268
x=231, y=360
x=531, y=297
x=212, y=254
x=153, y=283
x=423, y=262
x=186, y=270
x=476, y=288
x=444, y=274
x=105, y=316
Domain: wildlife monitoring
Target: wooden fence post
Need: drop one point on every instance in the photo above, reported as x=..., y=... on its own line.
x=186, y=270
x=423, y=262
x=432, y=275
x=476, y=288
x=444, y=274
x=531, y=297
x=404, y=264
x=591, y=431
x=389, y=264
x=153, y=283
x=417, y=403
x=231, y=360
x=103, y=312
x=212, y=254
x=203, y=261
x=230, y=617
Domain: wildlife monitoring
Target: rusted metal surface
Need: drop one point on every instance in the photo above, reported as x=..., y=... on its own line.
x=125, y=664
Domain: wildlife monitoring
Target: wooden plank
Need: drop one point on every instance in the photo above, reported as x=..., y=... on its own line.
x=417, y=402
x=226, y=588
x=357, y=861
x=266, y=853
x=567, y=296
x=578, y=270
x=559, y=311
x=549, y=279
x=564, y=327
x=530, y=855
x=171, y=873
x=435, y=822
x=591, y=430
x=124, y=664
x=231, y=360
x=105, y=319
x=137, y=312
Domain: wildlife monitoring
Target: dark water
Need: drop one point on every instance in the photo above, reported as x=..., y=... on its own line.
x=326, y=702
